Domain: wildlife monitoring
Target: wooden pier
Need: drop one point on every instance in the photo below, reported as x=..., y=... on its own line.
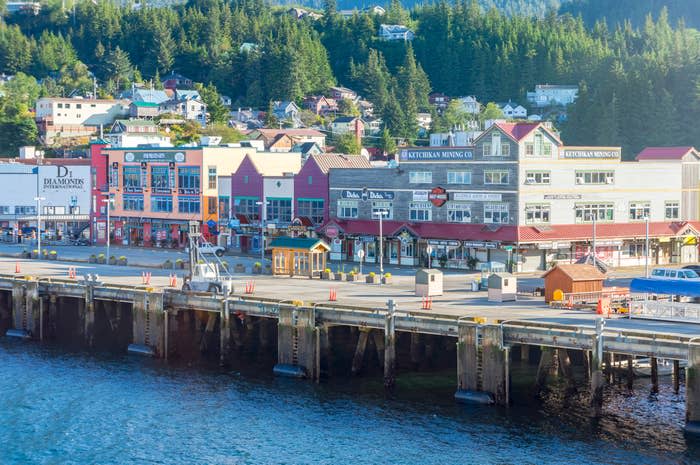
x=157, y=321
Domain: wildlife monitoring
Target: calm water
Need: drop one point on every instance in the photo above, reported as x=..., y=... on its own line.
x=82, y=408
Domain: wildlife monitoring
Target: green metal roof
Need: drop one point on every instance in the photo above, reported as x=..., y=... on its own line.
x=306, y=243
x=146, y=104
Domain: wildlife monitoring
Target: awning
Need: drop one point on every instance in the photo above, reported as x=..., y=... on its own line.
x=682, y=287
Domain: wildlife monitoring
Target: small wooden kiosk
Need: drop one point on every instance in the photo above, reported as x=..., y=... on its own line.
x=297, y=256
x=572, y=279
x=428, y=282
x=503, y=287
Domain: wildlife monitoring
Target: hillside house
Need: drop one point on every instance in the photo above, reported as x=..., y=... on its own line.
x=546, y=95
x=395, y=32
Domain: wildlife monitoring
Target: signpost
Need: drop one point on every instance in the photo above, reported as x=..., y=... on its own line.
x=429, y=249
x=360, y=255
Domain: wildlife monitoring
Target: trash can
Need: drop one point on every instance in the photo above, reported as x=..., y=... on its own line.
x=474, y=285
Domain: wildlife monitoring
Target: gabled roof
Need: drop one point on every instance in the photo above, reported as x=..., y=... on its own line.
x=271, y=133
x=665, y=153
x=326, y=161
x=148, y=95
x=579, y=272
x=187, y=95
x=145, y=104
x=305, y=243
x=519, y=131
x=571, y=232
x=345, y=119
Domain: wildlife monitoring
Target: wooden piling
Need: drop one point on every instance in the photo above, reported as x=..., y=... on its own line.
x=494, y=367
x=630, y=372
x=597, y=378
x=692, y=390
x=525, y=353
x=544, y=368
x=676, y=376
x=359, y=356
x=390, y=347
x=565, y=368
x=467, y=375
x=654, y=375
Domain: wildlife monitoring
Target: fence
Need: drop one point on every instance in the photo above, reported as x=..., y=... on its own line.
x=669, y=311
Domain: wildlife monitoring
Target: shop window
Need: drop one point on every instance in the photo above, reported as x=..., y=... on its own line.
x=640, y=210
x=459, y=212
x=672, y=210
x=587, y=212
x=495, y=177
x=188, y=205
x=420, y=211
x=188, y=180
x=161, y=203
x=25, y=210
x=636, y=250
x=211, y=205
x=160, y=179
x=420, y=177
x=537, y=177
x=247, y=206
x=383, y=205
x=538, y=214
x=132, y=179
x=133, y=203
x=496, y=213
x=279, y=210
x=311, y=208
x=459, y=177
x=347, y=209
x=595, y=177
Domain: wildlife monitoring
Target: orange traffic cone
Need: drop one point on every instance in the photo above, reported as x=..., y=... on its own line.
x=17, y=270
x=333, y=295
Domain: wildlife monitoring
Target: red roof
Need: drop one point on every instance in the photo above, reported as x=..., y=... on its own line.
x=518, y=131
x=664, y=153
x=603, y=231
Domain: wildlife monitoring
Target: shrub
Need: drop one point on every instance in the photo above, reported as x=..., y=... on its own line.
x=327, y=270
x=372, y=274
x=101, y=255
x=35, y=251
x=179, y=260
x=258, y=264
x=112, y=257
x=122, y=257
x=387, y=275
x=53, y=252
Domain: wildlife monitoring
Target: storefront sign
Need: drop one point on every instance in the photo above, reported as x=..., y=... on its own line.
x=367, y=238
x=480, y=245
x=63, y=180
x=405, y=237
x=435, y=154
x=438, y=196
x=562, y=196
x=475, y=197
x=177, y=157
x=331, y=232
x=366, y=194
x=441, y=243
x=592, y=152
x=420, y=196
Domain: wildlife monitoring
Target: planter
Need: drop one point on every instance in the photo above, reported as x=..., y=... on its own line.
x=167, y=265
x=101, y=260
x=53, y=256
x=257, y=269
x=327, y=275
x=354, y=277
x=92, y=259
x=112, y=260
x=180, y=264
x=240, y=268
x=376, y=279
x=35, y=254
x=122, y=262
x=268, y=269
x=386, y=280
x=340, y=276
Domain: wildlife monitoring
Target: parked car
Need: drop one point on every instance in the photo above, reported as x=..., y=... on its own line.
x=671, y=273
x=207, y=248
x=695, y=268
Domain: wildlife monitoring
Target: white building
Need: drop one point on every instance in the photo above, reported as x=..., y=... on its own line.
x=511, y=110
x=453, y=139
x=395, y=32
x=549, y=95
x=469, y=104
x=65, y=191
x=59, y=118
x=136, y=133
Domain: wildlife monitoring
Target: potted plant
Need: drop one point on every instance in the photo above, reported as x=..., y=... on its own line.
x=472, y=262
x=350, y=277
x=240, y=268
x=35, y=253
x=340, y=275
x=112, y=260
x=180, y=263
x=386, y=279
x=93, y=258
x=53, y=255
x=167, y=265
x=122, y=261
x=373, y=278
x=443, y=261
x=45, y=254
x=26, y=254
x=268, y=268
x=257, y=268
x=327, y=274
x=101, y=259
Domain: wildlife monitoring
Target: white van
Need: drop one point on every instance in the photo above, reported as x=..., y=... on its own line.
x=672, y=273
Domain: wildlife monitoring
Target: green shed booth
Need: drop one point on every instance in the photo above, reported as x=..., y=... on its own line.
x=298, y=256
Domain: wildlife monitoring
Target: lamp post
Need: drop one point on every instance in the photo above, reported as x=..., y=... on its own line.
x=646, y=247
x=381, y=214
x=108, y=201
x=262, y=206
x=38, y=223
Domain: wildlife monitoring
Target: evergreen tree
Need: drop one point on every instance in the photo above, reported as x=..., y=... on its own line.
x=387, y=143
x=118, y=68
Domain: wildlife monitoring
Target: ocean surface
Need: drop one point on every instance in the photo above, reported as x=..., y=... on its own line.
x=62, y=407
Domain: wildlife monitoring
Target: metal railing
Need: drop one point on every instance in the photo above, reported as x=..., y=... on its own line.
x=669, y=311
x=615, y=294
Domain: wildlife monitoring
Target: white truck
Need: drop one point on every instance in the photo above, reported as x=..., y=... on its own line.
x=206, y=277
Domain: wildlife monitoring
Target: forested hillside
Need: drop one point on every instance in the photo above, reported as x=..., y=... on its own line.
x=640, y=86
x=635, y=11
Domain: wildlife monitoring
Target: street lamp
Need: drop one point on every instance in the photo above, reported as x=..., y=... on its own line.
x=381, y=214
x=38, y=223
x=262, y=206
x=646, y=248
x=108, y=201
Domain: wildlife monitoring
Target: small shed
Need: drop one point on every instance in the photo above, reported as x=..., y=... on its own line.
x=503, y=287
x=298, y=256
x=428, y=282
x=572, y=279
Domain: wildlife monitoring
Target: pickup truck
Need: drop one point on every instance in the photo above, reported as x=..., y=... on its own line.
x=210, y=249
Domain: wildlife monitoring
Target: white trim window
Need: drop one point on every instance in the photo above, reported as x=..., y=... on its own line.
x=672, y=210
x=496, y=213
x=495, y=177
x=420, y=211
x=538, y=213
x=538, y=177
x=459, y=212
x=639, y=210
x=601, y=212
x=459, y=177
x=420, y=177
x=347, y=209
x=595, y=177
x=383, y=205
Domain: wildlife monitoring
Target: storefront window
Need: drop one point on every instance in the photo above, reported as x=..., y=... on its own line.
x=211, y=205
x=347, y=209
x=133, y=203
x=132, y=179
x=420, y=211
x=161, y=203
x=496, y=213
x=639, y=210
x=247, y=206
x=188, y=204
x=407, y=249
x=585, y=213
x=188, y=179
x=160, y=179
x=535, y=214
x=380, y=206
x=279, y=210
x=459, y=212
x=311, y=208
